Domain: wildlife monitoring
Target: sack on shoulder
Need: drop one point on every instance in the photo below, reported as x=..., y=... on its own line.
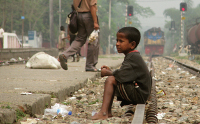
x=73, y=25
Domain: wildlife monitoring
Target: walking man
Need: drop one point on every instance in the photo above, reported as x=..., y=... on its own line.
x=87, y=22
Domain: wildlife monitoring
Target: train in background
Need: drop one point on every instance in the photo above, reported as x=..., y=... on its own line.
x=154, y=42
x=193, y=38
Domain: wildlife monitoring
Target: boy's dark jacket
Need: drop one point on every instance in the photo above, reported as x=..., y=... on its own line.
x=135, y=69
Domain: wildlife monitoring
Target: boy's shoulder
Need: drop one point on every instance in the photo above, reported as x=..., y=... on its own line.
x=132, y=55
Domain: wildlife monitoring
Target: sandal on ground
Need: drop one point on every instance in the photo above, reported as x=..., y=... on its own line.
x=92, y=70
x=99, y=70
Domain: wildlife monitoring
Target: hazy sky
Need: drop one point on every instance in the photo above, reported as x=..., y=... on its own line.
x=158, y=6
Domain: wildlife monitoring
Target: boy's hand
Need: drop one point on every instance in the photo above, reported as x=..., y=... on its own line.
x=106, y=67
x=105, y=71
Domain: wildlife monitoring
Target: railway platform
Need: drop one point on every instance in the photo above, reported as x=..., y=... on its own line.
x=31, y=90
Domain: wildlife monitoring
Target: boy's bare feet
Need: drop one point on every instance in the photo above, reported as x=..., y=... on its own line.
x=100, y=116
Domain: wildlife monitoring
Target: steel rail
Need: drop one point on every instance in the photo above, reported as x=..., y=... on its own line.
x=191, y=69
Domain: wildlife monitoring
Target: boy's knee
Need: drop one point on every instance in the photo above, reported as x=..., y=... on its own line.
x=111, y=79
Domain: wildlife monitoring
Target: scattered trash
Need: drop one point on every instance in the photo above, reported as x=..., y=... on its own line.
x=26, y=93
x=18, y=88
x=74, y=122
x=171, y=65
x=163, y=72
x=42, y=60
x=20, y=59
x=29, y=121
x=184, y=118
x=13, y=60
x=161, y=93
x=53, y=80
x=193, y=77
x=182, y=72
x=160, y=115
x=58, y=109
x=71, y=98
x=63, y=112
x=169, y=68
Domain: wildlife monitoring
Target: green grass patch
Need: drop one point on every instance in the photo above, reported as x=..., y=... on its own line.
x=20, y=114
x=181, y=57
x=93, y=102
x=102, y=56
x=80, y=102
x=173, y=54
x=66, y=103
x=96, y=82
x=198, y=61
x=46, y=105
x=6, y=107
x=53, y=96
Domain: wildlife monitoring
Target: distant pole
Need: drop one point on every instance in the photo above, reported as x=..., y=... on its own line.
x=59, y=14
x=182, y=51
x=109, y=25
x=182, y=32
x=51, y=21
x=126, y=16
x=22, y=23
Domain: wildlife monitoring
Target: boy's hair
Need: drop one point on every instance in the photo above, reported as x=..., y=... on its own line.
x=131, y=33
x=62, y=28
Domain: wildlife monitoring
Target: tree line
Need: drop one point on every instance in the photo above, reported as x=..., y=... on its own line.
x=36, y=16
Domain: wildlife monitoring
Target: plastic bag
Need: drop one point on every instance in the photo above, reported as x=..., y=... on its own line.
x=58, y=109
x=93, y=36
x=42, y=60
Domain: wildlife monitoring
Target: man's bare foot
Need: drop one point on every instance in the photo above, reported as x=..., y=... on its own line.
x=100, y=116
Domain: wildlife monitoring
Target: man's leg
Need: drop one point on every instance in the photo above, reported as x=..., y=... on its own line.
x=96, y=52
x=89, y=25
x=109, y=90
x=90, y=57
x=63, y=57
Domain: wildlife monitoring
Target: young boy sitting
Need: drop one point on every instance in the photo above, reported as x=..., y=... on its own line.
x=132, y=82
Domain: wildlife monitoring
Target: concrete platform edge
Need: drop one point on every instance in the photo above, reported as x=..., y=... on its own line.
x=38, y=106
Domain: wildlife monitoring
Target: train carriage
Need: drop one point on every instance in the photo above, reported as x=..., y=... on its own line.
x=193, y=38
x=154, y=42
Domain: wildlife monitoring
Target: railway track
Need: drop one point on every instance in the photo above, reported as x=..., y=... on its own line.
x=151, y=114
x=179, y=84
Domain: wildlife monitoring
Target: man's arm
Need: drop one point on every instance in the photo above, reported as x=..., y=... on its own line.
x=93, y=10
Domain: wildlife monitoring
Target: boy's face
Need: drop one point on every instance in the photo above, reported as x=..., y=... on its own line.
x=123, y=45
